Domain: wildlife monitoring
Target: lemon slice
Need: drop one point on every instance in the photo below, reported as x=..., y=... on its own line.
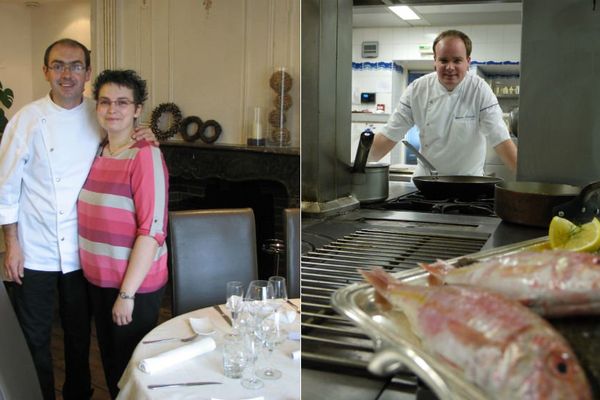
x=564, y=234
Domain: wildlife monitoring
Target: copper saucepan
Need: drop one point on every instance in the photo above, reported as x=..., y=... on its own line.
x=531, y=203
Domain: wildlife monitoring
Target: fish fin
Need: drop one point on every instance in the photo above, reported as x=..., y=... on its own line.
x=467, y=335
x=437, y=271
x=380, y=281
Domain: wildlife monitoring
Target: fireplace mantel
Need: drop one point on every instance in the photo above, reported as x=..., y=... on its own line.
x=235, y=163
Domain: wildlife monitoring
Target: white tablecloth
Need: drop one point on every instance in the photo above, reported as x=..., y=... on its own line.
x=208, y=367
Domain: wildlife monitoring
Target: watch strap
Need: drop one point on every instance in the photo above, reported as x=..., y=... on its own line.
x=126, y=296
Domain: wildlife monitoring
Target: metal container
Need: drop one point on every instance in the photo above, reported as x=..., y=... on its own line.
x=373, y=184
x=531, y=203
x=370, y=181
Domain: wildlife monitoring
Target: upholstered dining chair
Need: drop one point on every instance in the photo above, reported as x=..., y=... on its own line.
x=291, y=222
x=208, y=249
x=18, y=379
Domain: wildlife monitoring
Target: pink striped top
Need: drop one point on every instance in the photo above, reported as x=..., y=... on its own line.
x=122, y=198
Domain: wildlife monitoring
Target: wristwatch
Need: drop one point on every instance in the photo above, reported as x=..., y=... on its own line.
x=125, y=296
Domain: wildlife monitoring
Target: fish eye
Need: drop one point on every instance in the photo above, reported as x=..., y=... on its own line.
x=562, y=368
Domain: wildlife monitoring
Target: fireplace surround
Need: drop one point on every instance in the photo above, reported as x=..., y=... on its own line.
x=266, y=179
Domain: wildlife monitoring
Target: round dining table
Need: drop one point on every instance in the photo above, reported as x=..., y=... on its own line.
x=208, y=367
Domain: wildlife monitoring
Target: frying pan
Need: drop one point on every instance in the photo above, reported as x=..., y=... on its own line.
x=463, y=187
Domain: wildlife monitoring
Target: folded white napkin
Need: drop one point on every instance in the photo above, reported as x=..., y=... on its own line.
x=284, y=316
x=248, y=398
x=202, y=326
x=296, y=355
x=175, y=356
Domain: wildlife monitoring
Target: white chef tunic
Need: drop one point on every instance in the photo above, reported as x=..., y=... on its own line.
x=453, y=125
x=45, y=156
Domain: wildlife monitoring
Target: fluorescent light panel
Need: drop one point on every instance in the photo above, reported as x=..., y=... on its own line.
x=404, y=12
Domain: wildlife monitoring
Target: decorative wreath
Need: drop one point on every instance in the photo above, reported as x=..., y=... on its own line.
x=158, y=112
x=217, y=131
x=185, y=124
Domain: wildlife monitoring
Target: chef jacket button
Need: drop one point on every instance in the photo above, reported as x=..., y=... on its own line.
x=57, y=179
x=43, y=120
x=52, y=149
x=62, y=239
x=61, y=212
x=430, y=101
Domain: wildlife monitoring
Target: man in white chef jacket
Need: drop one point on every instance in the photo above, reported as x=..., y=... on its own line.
x=45, y=156
x=456, y=112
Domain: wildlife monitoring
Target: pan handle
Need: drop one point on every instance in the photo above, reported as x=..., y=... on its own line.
x=421, y=157
x=582, y=208
x=362, y=153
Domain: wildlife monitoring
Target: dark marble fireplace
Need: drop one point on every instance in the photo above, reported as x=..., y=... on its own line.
x=266, y=179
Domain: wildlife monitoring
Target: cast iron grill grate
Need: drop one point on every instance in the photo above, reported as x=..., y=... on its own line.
x=330, y=340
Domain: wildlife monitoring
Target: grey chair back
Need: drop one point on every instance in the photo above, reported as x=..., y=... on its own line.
x=18, y=379
x=208, y=249
x=291, y=222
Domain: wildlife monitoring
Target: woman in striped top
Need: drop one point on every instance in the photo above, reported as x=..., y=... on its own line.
x=122, y=211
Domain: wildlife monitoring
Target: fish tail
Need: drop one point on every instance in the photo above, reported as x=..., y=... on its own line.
x=380, y=281
x=437, y=271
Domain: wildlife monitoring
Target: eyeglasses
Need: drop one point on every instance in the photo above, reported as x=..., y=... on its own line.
x=119, y=103
x=59, y=68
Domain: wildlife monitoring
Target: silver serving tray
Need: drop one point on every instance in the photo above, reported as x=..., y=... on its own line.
x=396, y=347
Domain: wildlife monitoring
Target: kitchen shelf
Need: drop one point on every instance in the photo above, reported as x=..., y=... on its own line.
x=370, y=117
x=507, y=96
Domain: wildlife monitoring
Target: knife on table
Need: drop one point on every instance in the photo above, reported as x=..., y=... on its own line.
x=295, y=307
x=164, y=385
x=225, y=317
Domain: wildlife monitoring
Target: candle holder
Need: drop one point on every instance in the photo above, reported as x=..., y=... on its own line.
x=256, y=136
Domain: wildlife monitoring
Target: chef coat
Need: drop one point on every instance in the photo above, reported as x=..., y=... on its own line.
x=45, y=156
x=453, y=125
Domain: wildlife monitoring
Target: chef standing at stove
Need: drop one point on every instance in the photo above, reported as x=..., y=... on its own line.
x=455, y=112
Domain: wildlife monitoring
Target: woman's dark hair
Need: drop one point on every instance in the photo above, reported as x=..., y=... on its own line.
x=70, y=43
x=127, y=78
x=457, y=34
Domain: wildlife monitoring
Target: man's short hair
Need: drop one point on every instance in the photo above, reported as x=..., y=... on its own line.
x=70, y=43
x=457, y=34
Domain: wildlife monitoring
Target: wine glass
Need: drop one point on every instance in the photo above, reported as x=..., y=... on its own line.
x=271, y=336
x=235, y=297
x=270, y=330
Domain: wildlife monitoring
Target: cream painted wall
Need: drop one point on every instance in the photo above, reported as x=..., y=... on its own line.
x=214, y=64
x=30, y=31
x=53, y=21
x=15, y=54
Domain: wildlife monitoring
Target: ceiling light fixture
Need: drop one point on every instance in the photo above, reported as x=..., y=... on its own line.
x=404, y=12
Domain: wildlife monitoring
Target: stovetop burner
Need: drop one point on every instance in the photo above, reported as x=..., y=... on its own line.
x=417, y=202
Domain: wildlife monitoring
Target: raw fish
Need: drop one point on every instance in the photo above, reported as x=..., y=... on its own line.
x=500, y=346
x=553, y=283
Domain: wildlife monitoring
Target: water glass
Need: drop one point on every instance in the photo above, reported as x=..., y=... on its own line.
x=252, y=346
x=279, y=288
x=234, y=356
